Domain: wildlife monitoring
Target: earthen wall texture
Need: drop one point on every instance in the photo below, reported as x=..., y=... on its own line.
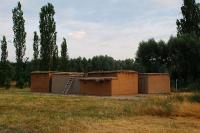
x=154, y=83
x=97, y=88
x=59, y=83
x=41, y=82
x=126, y=84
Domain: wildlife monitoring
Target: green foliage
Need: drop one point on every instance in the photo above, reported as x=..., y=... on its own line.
x=47, y=36
x=167, y=108
x=195, y=97
x=138, y=67
x=102, y=63
x=152, y=56
x=20, y=83
x=179, y=98
x=19, y=40
x=184, y=50
x=5, y=67
x=6, y=74
x=36, y=51
x=180, y=56
x=128, y=64
x=55, y=58
x=7, y=83
x=189, y=24
x=64, y=55
x=79, y=65
x=27, y=73
x=184, y=54
x=195, y=85
x=4, y=52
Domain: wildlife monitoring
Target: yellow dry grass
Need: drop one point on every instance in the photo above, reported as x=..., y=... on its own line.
x=23, y=111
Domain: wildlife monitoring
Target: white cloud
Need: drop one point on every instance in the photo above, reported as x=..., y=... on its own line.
x=118, y=41
x=77, y=35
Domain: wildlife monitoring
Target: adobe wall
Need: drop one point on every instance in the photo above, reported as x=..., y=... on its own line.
x=126, y=84
x=59, y=82
x=97, y=88
x=40, y=82
x=158, y=83
x=143, y=84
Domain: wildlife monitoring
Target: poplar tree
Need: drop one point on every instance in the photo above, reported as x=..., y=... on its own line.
x=5, y=68
x=47, y=36
x=19, y=43
x=55, y=54
x=55, y=58
x=4, y=52
x=190, y=23
x=64, y=55
x=36, y=51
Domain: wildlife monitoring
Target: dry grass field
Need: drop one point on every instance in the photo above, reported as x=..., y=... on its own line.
x=23, y=111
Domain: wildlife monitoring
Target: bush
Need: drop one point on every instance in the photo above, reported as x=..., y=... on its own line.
x=176, y=98
x=195, y=97
x=7, y=83
x=20, y=83
x=195, y=86
x=6, y=74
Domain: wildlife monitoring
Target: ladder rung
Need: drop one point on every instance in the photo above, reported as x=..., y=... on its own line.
x=68, y=85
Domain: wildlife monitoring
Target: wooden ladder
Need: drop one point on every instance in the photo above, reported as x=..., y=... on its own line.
x=68, y=85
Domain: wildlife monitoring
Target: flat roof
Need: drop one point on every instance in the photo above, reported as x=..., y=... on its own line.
x=68, y=73
x=117, y=71
x=43, y=72
x=57, y=73
x=153, y=73
x=98, y=78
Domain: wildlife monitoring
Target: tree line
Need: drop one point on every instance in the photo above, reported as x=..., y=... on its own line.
x=179, y=56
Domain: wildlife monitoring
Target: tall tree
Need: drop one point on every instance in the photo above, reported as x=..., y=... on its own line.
x=19, y=42
x=5, y=67
x=184, y=54
x=47, y=36
x=64, y=55
x=190, y=23
x=36, y=51
x=55, y=54
x=102, y=63
x=4, y=52
x=152, y=56
x=55, y=59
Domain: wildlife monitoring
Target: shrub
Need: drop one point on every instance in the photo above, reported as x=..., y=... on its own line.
x=21, y=83
x=167, y=108
x=6, y=74
x=159, y=107
x=127, y=110
x=177, y=97
x=195, y=86
x=195, y=97
x=7, y=83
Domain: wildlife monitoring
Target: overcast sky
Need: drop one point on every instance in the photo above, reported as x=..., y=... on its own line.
x=97, y=27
